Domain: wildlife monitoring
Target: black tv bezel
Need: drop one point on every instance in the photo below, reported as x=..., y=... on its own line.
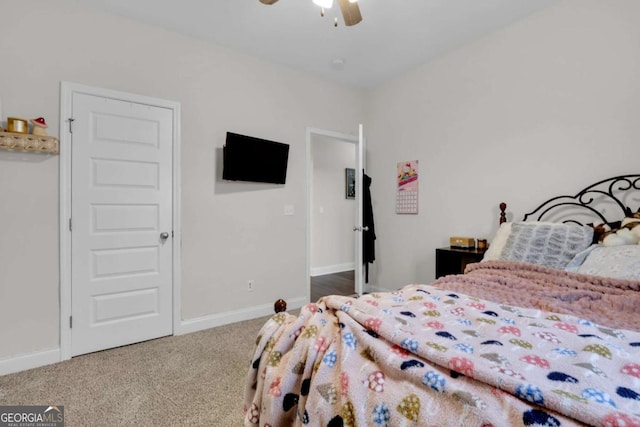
x=251, y=164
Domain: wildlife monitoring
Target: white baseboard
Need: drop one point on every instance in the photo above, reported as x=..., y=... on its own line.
x=47, y=357
x=29, y=361
x=330, y=269
x=206, y=322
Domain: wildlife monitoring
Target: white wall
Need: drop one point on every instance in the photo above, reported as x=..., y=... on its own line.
x=232, y=232
x=332, y=214
x=543, y=107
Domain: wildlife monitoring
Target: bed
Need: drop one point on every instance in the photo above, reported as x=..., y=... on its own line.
x=545, y=331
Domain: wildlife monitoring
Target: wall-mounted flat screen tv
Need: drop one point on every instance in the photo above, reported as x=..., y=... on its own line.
x=246, y=158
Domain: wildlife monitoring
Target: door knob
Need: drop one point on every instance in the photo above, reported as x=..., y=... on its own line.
x=365, y=228
x=164, y=236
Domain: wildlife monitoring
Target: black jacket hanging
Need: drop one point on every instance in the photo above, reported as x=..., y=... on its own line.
x=369, y=236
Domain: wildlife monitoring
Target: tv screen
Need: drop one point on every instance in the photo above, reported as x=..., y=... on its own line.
x=246, y=158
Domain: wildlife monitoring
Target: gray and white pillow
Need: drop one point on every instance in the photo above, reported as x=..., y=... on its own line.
x=543, y=243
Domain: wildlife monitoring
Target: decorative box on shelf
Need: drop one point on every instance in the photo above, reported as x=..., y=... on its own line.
x=29, y=142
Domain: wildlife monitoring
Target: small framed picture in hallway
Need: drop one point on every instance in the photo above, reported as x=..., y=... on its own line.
x=350, y=183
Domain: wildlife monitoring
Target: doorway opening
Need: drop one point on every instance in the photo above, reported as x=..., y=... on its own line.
x=332, y=211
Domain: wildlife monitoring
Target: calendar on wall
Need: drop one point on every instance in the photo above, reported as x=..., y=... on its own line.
x=407, y=192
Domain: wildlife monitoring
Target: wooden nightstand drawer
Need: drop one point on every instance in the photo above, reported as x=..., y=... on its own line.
x=454, y=260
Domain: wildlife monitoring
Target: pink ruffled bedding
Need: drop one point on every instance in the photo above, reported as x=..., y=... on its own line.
x=436, y=355
x=612, y=302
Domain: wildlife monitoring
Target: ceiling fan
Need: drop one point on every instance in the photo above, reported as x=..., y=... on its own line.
x=350, y=10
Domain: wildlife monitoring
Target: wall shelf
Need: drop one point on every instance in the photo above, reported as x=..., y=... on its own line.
x=29, y=142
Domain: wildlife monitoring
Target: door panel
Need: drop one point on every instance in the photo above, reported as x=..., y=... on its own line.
x=121, y=272
x=124, y=305
x=130, y=174
x=116, y=217
x=125, y=262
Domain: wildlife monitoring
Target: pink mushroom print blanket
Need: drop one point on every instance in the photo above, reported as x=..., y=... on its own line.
x=428, y=355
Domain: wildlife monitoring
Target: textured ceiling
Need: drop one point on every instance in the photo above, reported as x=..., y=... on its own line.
x=394, y=36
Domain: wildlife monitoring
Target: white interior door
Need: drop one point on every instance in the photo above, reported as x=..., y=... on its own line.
x=121, y=217
x=358, y=228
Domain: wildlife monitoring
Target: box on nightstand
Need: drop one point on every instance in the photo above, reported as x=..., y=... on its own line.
x=462, y=242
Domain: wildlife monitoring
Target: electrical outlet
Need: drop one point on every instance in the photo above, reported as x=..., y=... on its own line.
x=250, y=286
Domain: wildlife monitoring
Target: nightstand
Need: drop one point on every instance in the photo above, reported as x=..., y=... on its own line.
x=454, y=260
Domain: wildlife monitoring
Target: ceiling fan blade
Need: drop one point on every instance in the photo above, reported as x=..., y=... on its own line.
x=350, y=12
x=268, y=1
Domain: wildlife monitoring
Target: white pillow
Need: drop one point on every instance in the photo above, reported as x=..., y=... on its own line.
x=496, y=246
x=620, y=262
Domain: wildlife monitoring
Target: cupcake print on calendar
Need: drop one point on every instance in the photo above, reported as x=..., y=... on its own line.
x=407, y=192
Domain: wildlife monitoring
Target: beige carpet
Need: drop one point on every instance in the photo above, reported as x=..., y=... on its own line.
x=195, y=379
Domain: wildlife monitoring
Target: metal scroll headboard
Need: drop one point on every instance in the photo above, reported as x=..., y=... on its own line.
x=606, y=201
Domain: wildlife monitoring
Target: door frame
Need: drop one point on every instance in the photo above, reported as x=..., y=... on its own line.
x=67, y=89
x=309, y=172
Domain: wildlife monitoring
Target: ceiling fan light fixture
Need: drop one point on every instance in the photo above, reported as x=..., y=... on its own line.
x=350, y=12
x=324, y=3
x=349, y=8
